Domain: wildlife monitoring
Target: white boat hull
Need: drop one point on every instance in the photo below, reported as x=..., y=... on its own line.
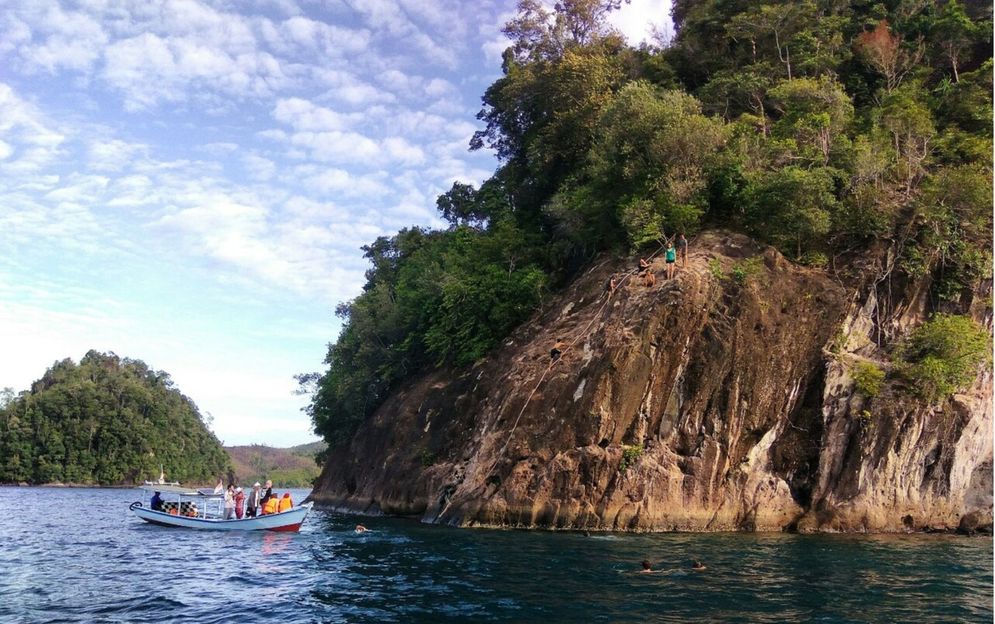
x=290, y=520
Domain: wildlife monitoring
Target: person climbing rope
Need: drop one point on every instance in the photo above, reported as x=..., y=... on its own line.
x=649, y=280
x=557, y=350
x=612, y=283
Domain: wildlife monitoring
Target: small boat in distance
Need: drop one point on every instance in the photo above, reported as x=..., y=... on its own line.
x=202, y=509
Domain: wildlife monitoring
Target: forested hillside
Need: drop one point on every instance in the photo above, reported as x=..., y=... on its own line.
x=107, y=420
x=286, y=467
x=856, y=137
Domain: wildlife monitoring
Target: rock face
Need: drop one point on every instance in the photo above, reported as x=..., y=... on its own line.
x=721, y=400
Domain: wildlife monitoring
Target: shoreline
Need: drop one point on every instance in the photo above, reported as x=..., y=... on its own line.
x=344, y=510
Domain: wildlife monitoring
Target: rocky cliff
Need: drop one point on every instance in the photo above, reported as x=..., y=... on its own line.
x=720, y=400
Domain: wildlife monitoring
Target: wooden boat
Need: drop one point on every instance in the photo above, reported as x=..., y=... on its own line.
x=203, y=509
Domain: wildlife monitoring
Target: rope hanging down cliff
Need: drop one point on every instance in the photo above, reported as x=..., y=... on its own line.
x=553, y=362
x=584, y=333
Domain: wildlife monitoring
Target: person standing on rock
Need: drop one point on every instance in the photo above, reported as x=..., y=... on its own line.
x=671, y=257
x=682, y=250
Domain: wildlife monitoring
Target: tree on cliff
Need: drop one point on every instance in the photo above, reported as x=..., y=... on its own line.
x=825, y=129
x=106, y=420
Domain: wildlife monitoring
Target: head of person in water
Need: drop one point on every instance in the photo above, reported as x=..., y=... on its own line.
x=646, y=565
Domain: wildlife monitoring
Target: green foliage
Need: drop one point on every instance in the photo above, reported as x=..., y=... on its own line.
x=814, y=114
x=868, y=378
x=792, y=208
x=745, y=270
x=426, y=457
x=649, y=159
x=715, y=268
x=815, y=259
x=432, y=298
x=630, y=456
x=106, y=421
x=942, y=355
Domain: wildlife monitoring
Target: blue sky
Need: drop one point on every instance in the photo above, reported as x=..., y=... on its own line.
x=188, y=182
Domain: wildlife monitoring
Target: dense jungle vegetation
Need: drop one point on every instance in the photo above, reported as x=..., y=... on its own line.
x=834, y=130
x=105, y=421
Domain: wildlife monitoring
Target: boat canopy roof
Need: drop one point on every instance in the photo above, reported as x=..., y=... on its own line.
x=176, y=488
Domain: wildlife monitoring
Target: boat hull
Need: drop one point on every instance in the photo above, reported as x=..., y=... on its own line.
x=290, y=520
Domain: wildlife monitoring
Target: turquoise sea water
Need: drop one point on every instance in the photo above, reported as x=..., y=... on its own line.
x=79, y=555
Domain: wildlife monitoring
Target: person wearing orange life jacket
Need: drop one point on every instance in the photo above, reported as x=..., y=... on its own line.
x=269, y=507
x=286, y=502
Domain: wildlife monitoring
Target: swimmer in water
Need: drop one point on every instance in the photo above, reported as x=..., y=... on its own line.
x=361, y=529
x=699, y=566
x=647, y=568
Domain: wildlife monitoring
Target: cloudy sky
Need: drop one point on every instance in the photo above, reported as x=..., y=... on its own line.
x=188, y=182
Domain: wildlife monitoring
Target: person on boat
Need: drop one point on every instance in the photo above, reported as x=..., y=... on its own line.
x=285, y=503
x=270, y=506
x=252, y=505
x=267, y=492
x=156, y=502
x=671, y=257
x=230, y=502
x=682, y=250
x=220, y=487
x=647, y=568
x=239, y=503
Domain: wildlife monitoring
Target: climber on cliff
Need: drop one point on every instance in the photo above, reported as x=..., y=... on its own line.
x=646, y=272
x=612, y=283
x=557, y=350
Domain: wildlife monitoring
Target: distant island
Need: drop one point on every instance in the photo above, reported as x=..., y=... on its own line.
x=296, y=466
x=105, y=421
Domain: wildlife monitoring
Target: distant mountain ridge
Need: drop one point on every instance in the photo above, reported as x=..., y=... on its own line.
x=286, y=467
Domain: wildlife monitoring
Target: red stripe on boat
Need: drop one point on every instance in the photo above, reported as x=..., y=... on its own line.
x=289, y=527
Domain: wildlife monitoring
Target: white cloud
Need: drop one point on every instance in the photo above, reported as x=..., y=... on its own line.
x=114, y=154
x=638, y=18
x=301, y=114
x=69, y=40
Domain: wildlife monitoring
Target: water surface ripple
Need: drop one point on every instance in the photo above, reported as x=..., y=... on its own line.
x=79, y=555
